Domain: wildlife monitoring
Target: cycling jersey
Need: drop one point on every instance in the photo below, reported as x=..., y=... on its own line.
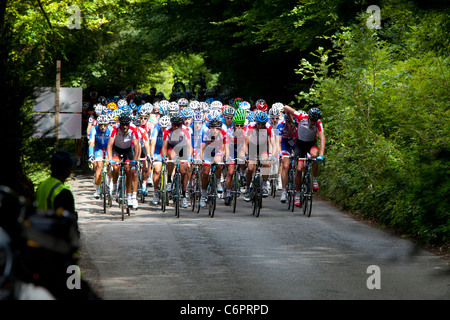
x=101, y=139
x=124, y=140
x=259, y=140
x=236, y=142
x=305, y=132
x=288, y=140
x=178, y=140
x=215, y=143
x=157, y=136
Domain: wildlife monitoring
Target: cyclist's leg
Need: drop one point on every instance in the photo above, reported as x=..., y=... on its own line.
x=314, y=152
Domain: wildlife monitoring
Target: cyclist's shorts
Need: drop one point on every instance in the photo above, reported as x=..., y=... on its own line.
x=287, y=149
x=127, y=154
x=99, y=153
x=304, y=147
x=179, y=150
x=210, y=157
x=255, y=151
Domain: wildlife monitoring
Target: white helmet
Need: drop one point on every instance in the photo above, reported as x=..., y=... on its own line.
x=274, y=112
x=195, y=105
x=183, y=102
x=244, y=105
x=121, y=103
x=173, y=106
x=164, y=103
x=216, y=105
x=204, y=107
x=164, y=121
x=98, y=109
x=102, y=119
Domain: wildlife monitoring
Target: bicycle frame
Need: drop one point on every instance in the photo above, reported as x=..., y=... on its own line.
x=195, y=190
x=176, y=186
x=212, y=188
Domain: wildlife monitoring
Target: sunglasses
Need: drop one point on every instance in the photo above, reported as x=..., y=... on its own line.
x=239, y=125
x=275, y=118
x=262, y=124
x=142, y=118
x=229, y=118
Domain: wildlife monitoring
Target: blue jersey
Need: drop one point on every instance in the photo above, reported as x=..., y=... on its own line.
x=157, y=134
x=288, y=140
x=101, y=139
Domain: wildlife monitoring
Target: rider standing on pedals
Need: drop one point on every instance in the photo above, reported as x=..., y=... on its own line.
x=309, y=126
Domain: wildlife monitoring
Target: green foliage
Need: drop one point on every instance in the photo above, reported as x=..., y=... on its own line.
x=386, y=116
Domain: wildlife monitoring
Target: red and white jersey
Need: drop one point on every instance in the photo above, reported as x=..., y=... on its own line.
x=177, y=136
x=305, y=132
x=260, y=135
x=142, y=135
x=124, y=140
x=148, y=128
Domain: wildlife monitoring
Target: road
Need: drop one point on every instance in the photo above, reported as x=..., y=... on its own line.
x=280, y=255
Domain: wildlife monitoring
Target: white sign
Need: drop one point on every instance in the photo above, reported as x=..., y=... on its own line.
x=69, y=125
x=70, y=100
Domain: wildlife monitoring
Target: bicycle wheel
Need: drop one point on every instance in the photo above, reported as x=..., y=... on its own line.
x=162, y=190
x=256, y=196
x=291, y=186
x=197, y=194
x=191, y=190
x=122, y=197
x=212, y=195
x=104, y=191
x=176, y=194
x=234, y=191
x=309, y=195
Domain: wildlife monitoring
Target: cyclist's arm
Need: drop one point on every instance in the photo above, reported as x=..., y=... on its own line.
x=289, y=110
x=137, y=149
x=202, y=151
x=322, y=143
x=151, y=149
x=110, y=146
x=164, y=148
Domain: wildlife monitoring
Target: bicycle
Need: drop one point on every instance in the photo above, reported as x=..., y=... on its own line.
x=163, y=195
x=290, y=187
x=140, y=193
x=235, y=184
x=306, y=189
x=121, y=188
x=176, y=186
x=256, y=189
x=211, y=189
x=104, y=187
x=194, y=186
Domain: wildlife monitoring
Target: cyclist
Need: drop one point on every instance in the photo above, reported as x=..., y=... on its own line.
x=228, y=114
x=286, y=139
x=98, y=142
x=173, y=107
x=182, y=103
x=156, y=142
x=144, y=144
x=198, y=128
x=177, y=143
x=236, y=137
x=214, y=149
x=123, y=139
x=309, y=126
x=259, y=142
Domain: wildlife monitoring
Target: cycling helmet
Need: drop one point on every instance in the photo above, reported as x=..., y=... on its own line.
x=215, y=122
x=228, y=110
x=314, y=114
x=194, y=105
x=236, y=102
x=112, y=105
x=127, y=108
x=251, y=116
x=164, y=121
x=244, y=105
x=98, y=109
x=239, y=118
x=216, y=105
x=274, y=112
x=279, y=106
x=204, y=107
x=136, y=121
x=183, y=102
x=261, y=116
x=176, y=119
x=262, y=106
x=209, y=100
x=241, y=111
x=213, y=114
x=121, y=103
x=111, y=117
x=164, y=110
x=102, y=119
x=198, y=116
x=125, y=118
x=187, y=112
x=164, y=103
x=172, y=107
x=143, y=113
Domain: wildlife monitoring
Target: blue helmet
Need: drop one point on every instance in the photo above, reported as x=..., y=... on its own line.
x=261, y=116
x=187, y=112
x=251, y=116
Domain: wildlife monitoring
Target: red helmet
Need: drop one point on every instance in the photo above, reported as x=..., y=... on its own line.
x=262, y=106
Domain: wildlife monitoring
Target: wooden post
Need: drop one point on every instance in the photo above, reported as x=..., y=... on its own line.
x=58, y=86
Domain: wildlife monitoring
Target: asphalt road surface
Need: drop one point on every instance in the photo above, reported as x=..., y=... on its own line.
x=153, y=255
